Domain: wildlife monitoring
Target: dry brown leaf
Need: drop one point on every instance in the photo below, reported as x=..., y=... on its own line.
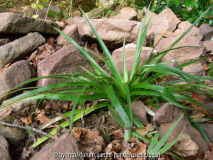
x=27, y=120
x=209, y=155
x=196, y=96
x=42, y=118
x=199, y=115
x=118, y=133
x=206, y=68
x=5, y=113
x=211, y=146
x=186, y=146
x=139, y=149
x=149, y=127
x=91, y=140
x=78, y=132
x=141, y=130
x=115, y=146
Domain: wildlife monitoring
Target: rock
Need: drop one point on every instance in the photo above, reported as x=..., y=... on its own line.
x=111, y=31
x=64, y=61
x=65, y=147
x=126, y=13
x=150, y=14
x=167, y=113
x=117, y=56
x=15, y=23
x=207, y=31
x=182, y=55
x=19, y=48
x=15, y=135
x=139, y=112
x=75, y=20
x=71, y=31
x=165, y=21
x=23, y=108
x=183, y=26
x=14, y=75
x=195, y=69
x=209, y=46
x=208, y=130
x=54, y=12
x=4, y=154
x=186, y=127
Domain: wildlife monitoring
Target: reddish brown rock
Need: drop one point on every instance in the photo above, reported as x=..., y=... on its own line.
x=117, y=56
x=14, y=75
x=182, y=55
x=209, y=46
x=111, y=31
x=186, y=127
x=195, y=69
x=207, y=31
x=165, y=21
x=127, y=13
x=71, y=31
x=183, y=26
x=65, y=61
x=4, y=154
x=63, y=148
x=167, y=113
x=139, y=112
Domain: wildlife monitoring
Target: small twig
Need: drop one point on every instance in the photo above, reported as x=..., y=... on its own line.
x=48, y=10
x=71, y=7
x=21, y=127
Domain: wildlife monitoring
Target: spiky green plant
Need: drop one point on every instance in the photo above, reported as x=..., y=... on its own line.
x=116, y=91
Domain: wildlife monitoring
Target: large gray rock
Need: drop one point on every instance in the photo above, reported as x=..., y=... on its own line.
x=117, y=56
x=71, y=31
x=19, y=48
x=63, y=148
x=14, y=75
x=15, y=135
x=126, y=13
x=64, y=61
x=4, y=154
x=207, y=31
x=15, y=23
x=165, y=21
x=111, y=31
x=182, y=55
x=23, y=108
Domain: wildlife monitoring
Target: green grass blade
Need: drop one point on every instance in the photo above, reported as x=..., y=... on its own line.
x=154, y=141
x=112, y=66
x=118, y=106
x=87, y=56
x=65, y=124
x=164, y=138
